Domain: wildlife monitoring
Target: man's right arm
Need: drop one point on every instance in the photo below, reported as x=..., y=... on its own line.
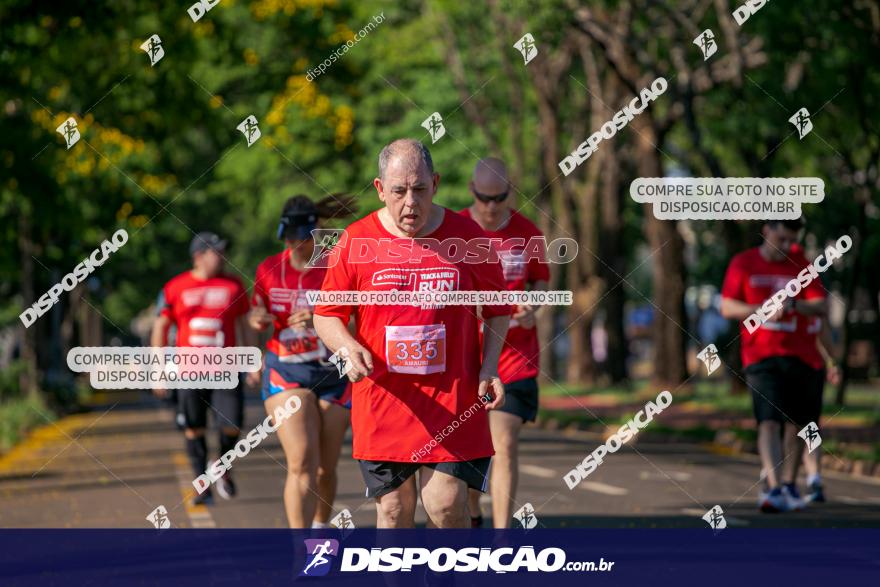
x=159, y=338
x=333, y=328
x=335, y=335
x=259, y=318
x=159, y=335
x=736, y=309
x=732, y=291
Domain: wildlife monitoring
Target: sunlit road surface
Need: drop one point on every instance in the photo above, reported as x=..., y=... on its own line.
x=111, y=467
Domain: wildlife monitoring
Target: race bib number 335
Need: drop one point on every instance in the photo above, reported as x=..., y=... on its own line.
x=417, y=350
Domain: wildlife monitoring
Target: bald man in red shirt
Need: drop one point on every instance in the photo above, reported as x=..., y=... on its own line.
x=417, y=371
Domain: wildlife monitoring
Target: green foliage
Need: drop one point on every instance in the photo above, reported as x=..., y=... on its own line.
x=17, y=416
x=161, y=157
x=9, y=380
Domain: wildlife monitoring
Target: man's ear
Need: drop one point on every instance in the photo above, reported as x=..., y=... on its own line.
x=377, y=183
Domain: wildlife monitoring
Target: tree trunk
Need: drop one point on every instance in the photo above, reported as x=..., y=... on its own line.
x=667, y=249
x=27, y=336
x=849, y=296
x=581, y=281
x=610, y=250
x=547, y=327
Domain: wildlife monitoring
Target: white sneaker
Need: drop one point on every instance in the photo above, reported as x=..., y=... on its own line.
x=793, y=500
x=225, y=487
x=772, y=502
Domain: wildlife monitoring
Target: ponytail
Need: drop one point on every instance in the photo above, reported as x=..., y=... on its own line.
x=337, y=205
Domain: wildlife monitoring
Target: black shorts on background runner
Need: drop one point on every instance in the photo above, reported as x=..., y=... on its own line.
x=521, y=399
x=227, y=405
x=383, y=477
x=786, y=389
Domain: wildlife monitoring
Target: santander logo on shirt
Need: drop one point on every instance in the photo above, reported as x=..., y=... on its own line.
x=287, y=300
x=422, y=279
x=206, y=297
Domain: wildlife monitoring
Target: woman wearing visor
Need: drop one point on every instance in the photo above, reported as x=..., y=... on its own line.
x=295, y=363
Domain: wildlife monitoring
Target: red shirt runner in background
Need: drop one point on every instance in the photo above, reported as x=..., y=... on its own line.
x=520, y=355
x=205, y=310
x=752, y=279
x=282, y=290
x=426, y=361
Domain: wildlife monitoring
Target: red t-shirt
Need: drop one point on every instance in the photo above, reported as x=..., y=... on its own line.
x=752, y=279
x=282, y=290
x=205, y=310
x=431, y=379
x=520, y=355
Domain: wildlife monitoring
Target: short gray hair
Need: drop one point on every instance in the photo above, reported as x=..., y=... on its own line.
x=401, y=147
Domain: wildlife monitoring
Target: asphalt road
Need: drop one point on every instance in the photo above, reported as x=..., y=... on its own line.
x=112, y=466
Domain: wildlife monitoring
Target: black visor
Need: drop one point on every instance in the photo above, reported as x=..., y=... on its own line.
x=297, y=226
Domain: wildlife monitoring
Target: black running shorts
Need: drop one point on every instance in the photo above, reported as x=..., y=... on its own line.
x=383, y=477
x=785, y=389
x=227, y=406
x=521, y=399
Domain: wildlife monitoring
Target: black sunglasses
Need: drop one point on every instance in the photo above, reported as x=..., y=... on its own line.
x=486, y=199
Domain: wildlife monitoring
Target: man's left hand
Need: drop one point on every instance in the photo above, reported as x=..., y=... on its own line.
x=490, y=385
x=525, y=316
x=300, y=320
x=832, y=374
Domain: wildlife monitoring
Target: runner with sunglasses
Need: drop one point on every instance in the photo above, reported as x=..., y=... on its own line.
x=518, y=364
x=295, y=363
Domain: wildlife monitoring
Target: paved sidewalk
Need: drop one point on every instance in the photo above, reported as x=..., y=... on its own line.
x=112, y=466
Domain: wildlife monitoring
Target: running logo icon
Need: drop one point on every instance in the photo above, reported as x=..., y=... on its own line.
x=325, y=239
x=526, y=516
x=810, y=434
x=526, y=46
x=715, y=519
x=709, y=356
x=319, y=551
x=434, y=125
x=69, y=131
x=706, y=42
x=801, y=121
x=153, y=48
x=159, y=518
x=343, y=521
x=249, y=129
x=343, y=365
